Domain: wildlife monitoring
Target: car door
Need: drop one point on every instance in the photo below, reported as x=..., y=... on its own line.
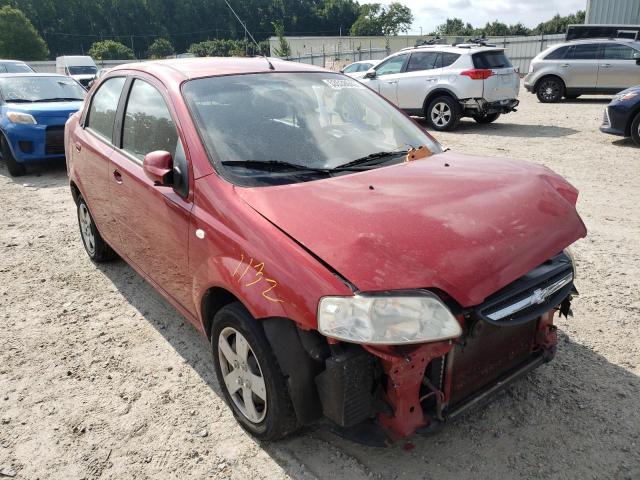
x=91, y=149
x=153, y=221
x=580, y=66
x=618, y=69
x=387, y=75
x=422, y=74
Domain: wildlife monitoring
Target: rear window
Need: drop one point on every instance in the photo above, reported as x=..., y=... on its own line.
x=491, y=59
x=558, y=53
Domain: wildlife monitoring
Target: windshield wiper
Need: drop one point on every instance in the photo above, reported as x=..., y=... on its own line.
x=59, y=99
x=275, y=165
x=373, y=158
x=18, y=100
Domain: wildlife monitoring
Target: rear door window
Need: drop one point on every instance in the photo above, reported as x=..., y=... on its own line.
x=616, y=51
x=491, y=59
x=586, y=51
x=447, y=59
x=104, y=105
x=423, y=61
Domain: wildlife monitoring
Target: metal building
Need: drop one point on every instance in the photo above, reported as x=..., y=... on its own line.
x=620, y=12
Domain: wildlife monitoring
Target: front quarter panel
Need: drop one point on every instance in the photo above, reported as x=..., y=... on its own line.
x=233, y=247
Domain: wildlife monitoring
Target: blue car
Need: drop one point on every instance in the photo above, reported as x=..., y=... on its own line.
x=622, y=115
x=34, y=108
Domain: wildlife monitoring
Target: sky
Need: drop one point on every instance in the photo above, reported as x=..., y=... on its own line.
x=428, y=14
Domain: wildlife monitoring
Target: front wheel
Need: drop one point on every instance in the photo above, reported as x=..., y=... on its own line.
x=635, y=130
x=550, y=90
x=249, y=375
x=443, y=114
x=486, y=118
x=15, y=169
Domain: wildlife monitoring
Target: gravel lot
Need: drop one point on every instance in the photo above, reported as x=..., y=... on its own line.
x=101, y=378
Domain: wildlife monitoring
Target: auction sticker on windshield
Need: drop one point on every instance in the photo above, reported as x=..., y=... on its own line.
x=339, y=84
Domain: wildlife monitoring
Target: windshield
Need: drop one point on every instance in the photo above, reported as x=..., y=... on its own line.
x=39, y=89
x=15, y=68
x=317, y=120
x=82, y=70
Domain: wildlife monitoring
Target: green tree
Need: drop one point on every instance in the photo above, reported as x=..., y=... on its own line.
x=376, y=19
x=19, y=38
x=160, y=48
x=110, y=50
x=496, y=29
x=455, y=27
x=283, y=50
x=559, y=24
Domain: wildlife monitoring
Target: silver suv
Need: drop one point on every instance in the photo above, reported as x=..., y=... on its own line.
x=444, y=83
x=594, y=66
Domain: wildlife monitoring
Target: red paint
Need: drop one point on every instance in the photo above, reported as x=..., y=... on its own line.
x=466, y=226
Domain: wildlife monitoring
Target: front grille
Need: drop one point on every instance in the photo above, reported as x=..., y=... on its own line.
x=54, y=140
x=605, y=120
x=540, y=290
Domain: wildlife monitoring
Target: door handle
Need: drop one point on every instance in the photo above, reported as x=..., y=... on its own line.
x=606, y=65
x=431, y=79
x=392, y=82
x=78, y=147
x=565, y=65
x=118, y=176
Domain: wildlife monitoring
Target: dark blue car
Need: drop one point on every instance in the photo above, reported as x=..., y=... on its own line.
x=622, y=115
x=34, y=108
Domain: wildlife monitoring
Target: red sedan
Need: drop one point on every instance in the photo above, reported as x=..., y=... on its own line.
x=341, y=264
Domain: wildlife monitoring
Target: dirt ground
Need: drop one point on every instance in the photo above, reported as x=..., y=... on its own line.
x=101, y=378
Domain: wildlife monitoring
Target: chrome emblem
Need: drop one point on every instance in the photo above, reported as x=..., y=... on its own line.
x=539, y=296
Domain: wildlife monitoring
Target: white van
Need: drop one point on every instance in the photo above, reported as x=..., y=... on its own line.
x=80, y=67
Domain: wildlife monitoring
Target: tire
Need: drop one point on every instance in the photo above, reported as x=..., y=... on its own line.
x=15, y=168
x=485, y=119
x=98, y=250
x=443, y=113
x=550, y=90
x=262, y=406
x=572, y=97
x=635, y=129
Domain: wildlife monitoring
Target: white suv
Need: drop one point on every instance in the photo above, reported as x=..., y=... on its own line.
x=445, y=83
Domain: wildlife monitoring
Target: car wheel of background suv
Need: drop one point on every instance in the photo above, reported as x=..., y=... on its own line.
x=15, y=169
x=486, y=118
x=635, y=129
x=443, y=113
x=550, y=90
x=98, y=250
x=249, y=375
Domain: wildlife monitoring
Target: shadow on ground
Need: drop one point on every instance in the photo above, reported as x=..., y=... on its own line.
x=573, y=418
x=40, y=175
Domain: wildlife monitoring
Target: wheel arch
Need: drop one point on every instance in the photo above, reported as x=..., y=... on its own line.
x=438, y=92
x=213, y=300
x=634, y=113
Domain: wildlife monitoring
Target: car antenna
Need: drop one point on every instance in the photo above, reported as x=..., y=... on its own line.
x=271, y=67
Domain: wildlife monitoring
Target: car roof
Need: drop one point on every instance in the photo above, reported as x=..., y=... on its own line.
x=11, y=61
x=180, y=69
x=451, y=48
x=600, y=40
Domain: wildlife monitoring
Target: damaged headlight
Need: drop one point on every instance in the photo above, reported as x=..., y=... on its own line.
x=569, y=253
x=387, y=319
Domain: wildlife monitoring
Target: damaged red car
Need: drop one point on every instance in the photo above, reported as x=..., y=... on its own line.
x=342, y=265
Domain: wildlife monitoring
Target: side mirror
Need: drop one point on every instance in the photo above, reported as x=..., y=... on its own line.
x=636, y=57
x=370, y=74
x=158, y=166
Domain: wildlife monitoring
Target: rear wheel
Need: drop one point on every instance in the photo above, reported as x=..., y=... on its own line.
x=635, y=129
x=98, y=250
x=486, y=118
x=15, y=169
x=550, y=90
x=249, y=375
x=443, y=113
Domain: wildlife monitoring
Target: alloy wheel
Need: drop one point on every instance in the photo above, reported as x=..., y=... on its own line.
x=550, y=90
x=86, y=229
x=242, y=375
x=441, y=114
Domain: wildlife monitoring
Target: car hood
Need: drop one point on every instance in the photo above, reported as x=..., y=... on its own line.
x=465, y=225
x=45, y=109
